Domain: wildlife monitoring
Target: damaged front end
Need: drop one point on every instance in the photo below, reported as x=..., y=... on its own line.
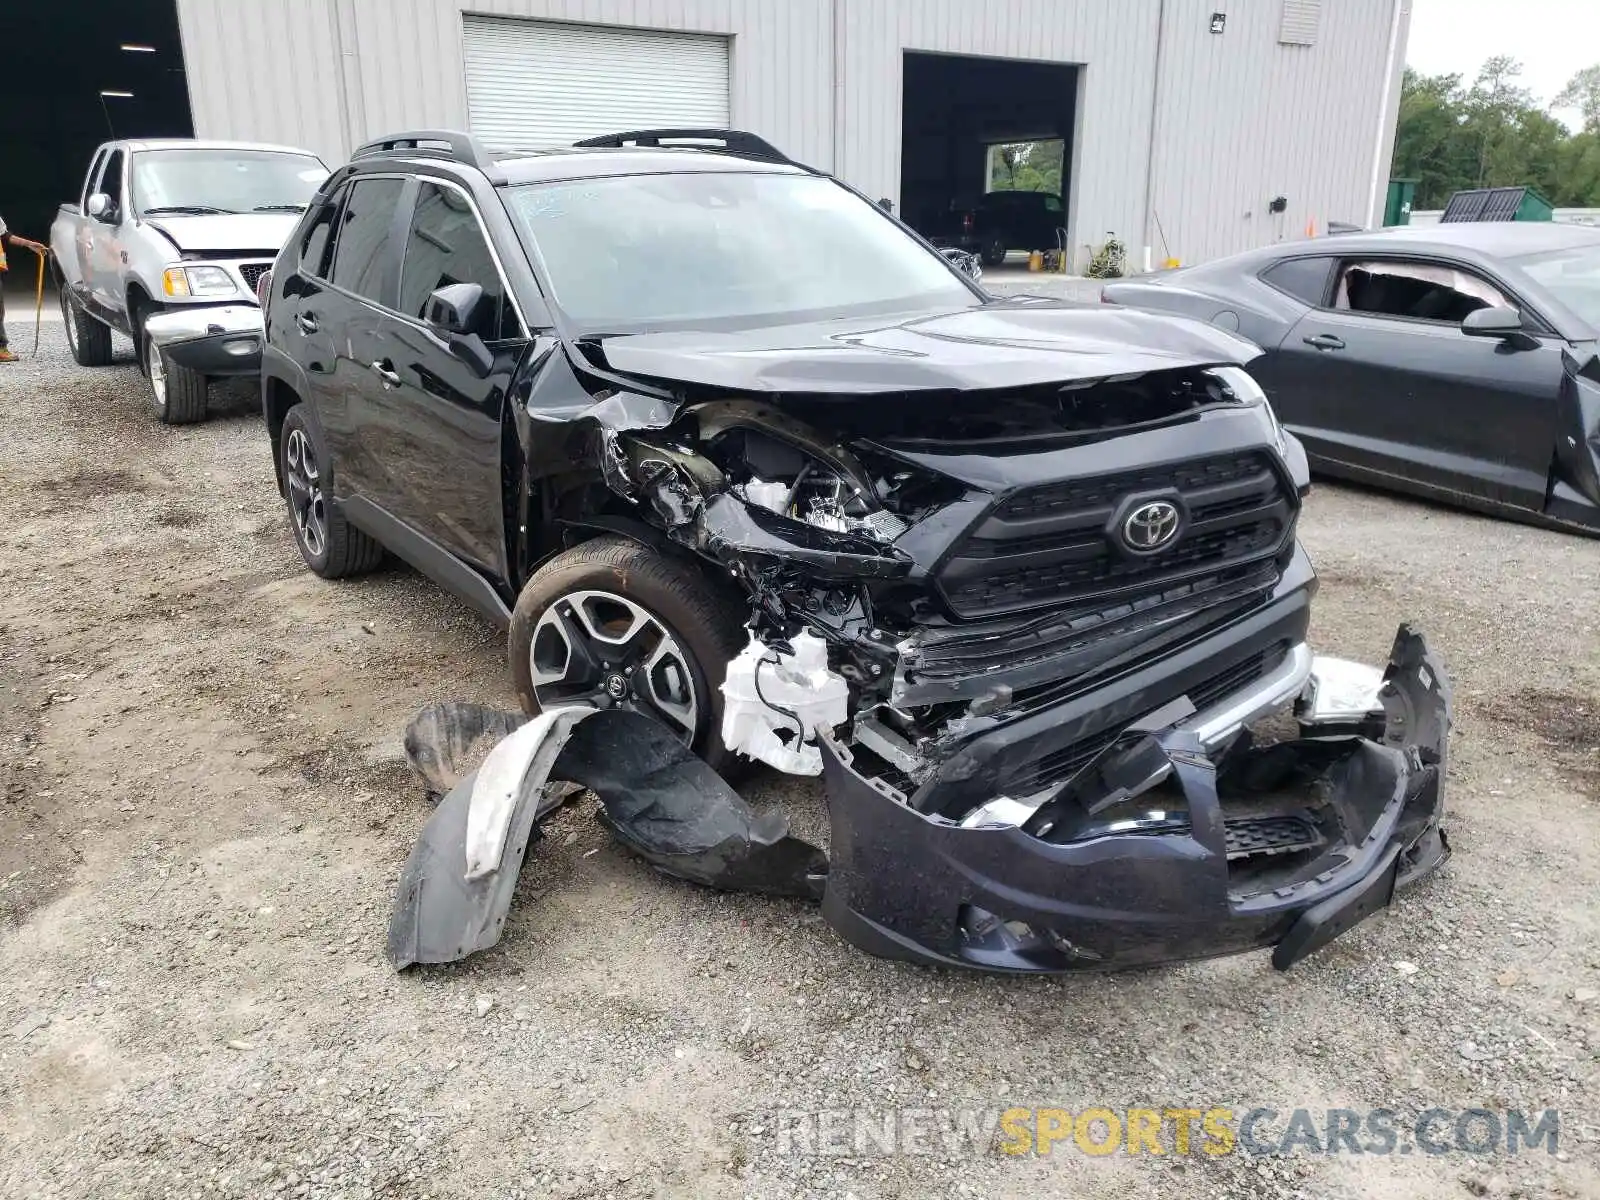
x=1045, y=643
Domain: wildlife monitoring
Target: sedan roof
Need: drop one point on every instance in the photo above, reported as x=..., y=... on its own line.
x=1496, y=239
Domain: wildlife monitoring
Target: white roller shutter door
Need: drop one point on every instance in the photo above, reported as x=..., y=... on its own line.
x=543, y=83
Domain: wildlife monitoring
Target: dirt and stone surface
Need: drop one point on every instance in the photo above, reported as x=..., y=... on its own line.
x=205, y=811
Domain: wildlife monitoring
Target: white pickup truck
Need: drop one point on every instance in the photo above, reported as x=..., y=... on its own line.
x=166, y=245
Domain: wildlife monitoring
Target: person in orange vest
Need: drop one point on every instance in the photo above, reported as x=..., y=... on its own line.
x=7, y=236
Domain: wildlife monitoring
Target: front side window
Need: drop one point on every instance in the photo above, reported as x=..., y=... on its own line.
x=93, y=177
x=111, y=177
x=631, y=253
x=1420, y=291
x=1571, y=276
x=361, y=251
x=446, y=245
x=194, y=181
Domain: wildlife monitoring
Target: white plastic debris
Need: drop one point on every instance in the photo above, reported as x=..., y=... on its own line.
x=774, y=703
x=772, y=495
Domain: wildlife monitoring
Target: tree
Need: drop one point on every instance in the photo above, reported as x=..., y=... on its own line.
x=1583, y=93
x=1494, y=134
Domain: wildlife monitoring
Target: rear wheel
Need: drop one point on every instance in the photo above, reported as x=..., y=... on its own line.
x=994, y=252
x=89, y=341
x=330, y=545
x=613, y=624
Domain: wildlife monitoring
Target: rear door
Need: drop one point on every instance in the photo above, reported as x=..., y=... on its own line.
x=348, y=320
x=445, y=443
x=1388, y=382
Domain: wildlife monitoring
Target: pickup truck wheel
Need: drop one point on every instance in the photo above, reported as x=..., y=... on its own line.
x=332, y=547
x=994, y=253
x=89, y=341
x=613, y=624
x=179, y=393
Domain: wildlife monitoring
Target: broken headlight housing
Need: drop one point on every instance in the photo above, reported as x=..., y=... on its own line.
x=1243, y=388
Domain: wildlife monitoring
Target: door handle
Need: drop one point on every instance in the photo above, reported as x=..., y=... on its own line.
x=306, y=322
x=383, y=370
x=1325, y=341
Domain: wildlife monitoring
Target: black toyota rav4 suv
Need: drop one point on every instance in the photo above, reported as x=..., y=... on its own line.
x=723, y=442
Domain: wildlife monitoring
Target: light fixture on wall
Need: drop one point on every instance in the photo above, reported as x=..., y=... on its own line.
x=137, y=48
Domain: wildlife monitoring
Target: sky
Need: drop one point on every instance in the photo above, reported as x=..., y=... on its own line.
x=1553, y=39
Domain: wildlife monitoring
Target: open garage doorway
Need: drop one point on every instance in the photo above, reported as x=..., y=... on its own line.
x=53, y=72
x=986, y=151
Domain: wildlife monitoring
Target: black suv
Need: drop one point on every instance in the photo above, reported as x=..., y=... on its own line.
x=723, y=442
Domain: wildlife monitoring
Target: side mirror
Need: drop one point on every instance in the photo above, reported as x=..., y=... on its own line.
x=1499, y=322
x=451, y=309
x=451, y=312
x=101, y=208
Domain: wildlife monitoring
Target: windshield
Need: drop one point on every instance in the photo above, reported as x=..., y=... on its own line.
x=230, y=181
x=641, y=252
x=1571, y=276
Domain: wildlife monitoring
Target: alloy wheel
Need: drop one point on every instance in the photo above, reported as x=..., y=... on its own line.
x=306, y=502
x=602, y=650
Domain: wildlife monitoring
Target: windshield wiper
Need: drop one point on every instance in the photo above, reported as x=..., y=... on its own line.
x=279, y=208
x=190, y=210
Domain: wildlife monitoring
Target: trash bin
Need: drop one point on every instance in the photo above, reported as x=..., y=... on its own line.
x=1397, y=208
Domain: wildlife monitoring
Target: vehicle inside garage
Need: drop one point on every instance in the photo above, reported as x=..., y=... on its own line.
x=50, y=92
x=974, y=126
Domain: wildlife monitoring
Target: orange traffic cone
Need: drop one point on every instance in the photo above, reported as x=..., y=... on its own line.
x=1311, y=227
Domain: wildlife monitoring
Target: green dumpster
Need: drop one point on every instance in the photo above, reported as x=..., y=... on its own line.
x=1397, y=209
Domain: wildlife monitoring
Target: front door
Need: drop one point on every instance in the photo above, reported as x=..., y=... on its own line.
x=102, y=264
x=1387, y=381
x=446, y=443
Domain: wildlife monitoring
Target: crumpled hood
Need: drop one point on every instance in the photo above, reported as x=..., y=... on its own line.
x=999, y=345
x=227, y=233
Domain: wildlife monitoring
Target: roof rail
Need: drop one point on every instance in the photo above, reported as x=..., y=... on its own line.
x=726, y=141
x=431, y=143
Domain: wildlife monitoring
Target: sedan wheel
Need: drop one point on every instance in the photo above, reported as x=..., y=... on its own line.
x=602, y=650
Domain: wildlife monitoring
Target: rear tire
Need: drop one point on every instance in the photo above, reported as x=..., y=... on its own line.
x=88, y=339
x=994, y=253
x=331, y=546
x=694, y=616
x=179, y=394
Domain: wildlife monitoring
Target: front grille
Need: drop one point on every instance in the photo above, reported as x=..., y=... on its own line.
x=1064, y=762
x=1055, y=545
x=253, y=272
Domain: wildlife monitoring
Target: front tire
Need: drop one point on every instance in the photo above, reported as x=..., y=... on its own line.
x=614, y=623
x=331, y=546
x=179, y=394
x=87, y=339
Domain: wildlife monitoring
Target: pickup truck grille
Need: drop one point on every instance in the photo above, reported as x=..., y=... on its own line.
x=253, y=272
x=1054, y=544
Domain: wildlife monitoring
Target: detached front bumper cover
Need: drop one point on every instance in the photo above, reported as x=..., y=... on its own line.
x=212, y=339
x=1136, y=860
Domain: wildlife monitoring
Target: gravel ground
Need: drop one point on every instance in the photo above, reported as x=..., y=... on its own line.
x=206, y=810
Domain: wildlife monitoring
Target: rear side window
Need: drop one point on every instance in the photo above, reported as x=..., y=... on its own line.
x=1306, y=279
x=361, y=253
x=446, y=246
x=314, y=246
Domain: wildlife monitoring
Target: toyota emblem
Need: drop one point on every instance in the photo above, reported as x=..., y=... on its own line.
x=1151, y=526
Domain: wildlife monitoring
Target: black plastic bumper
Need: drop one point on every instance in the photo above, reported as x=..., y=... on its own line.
x=912, y=885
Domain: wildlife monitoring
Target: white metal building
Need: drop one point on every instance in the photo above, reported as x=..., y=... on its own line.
x=1183, y=119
